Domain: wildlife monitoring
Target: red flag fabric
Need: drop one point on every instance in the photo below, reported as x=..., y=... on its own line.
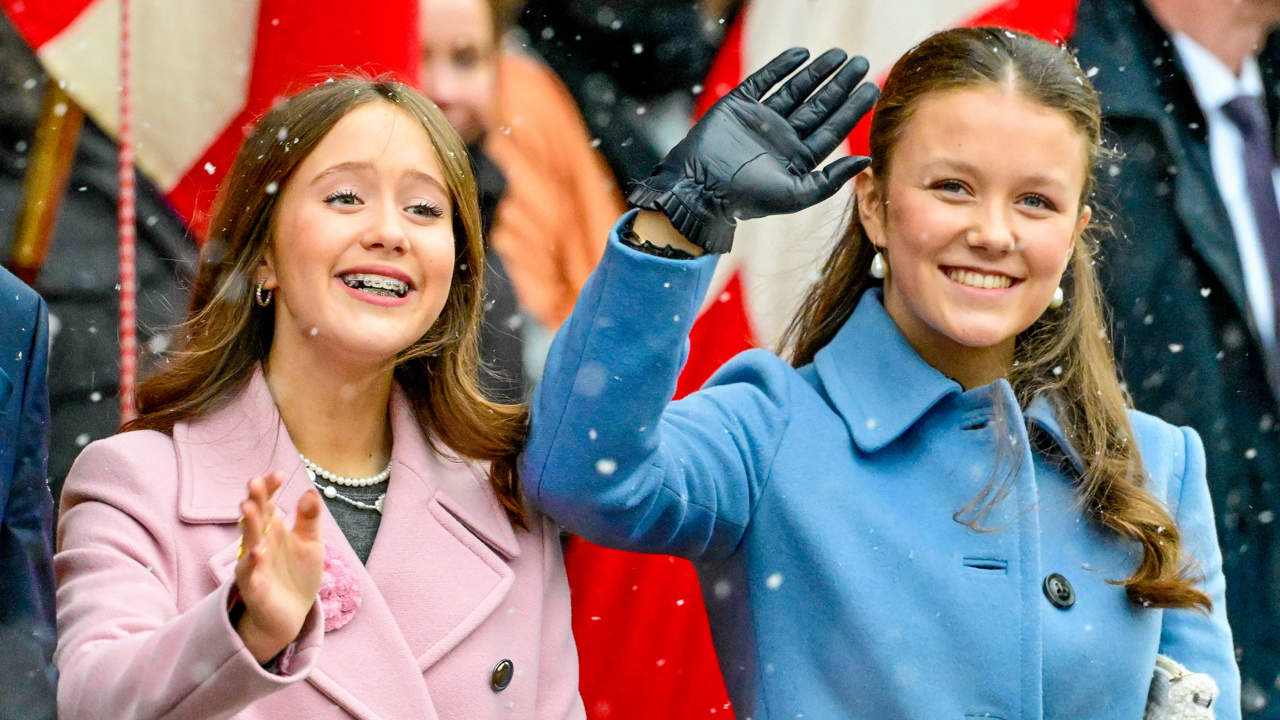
x=642, y=632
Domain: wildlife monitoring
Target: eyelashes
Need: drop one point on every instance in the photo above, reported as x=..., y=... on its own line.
x=343, y=197
x=422, y=208
x=950, y=186
x=1039, y=202
x=427, y=209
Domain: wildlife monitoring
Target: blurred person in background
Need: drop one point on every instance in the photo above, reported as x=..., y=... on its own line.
x=1190, y=93
x=27, y=677
x=548, y=195
x=635, y=68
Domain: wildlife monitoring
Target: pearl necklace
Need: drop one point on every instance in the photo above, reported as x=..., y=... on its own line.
x=344, y=480
x=331, y=492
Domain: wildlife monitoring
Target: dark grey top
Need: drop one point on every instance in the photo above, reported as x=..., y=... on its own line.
x=359, y=525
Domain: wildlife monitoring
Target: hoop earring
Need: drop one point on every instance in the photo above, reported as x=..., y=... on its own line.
x=263, y=298
x=878, y=266
x=1058, y=298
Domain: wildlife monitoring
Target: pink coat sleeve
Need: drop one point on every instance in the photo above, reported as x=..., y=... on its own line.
x=126, y=649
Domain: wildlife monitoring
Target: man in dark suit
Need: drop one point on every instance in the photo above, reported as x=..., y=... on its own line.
x=27, y=637
x=1189, y=273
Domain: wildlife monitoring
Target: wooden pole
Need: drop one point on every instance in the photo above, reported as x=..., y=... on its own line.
x=48, y=168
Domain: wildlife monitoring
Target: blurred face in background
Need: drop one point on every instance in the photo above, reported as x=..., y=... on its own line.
x=458, y=70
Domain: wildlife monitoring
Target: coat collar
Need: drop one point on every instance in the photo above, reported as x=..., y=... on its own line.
x=1042, y=413
x=877, y=382
x=880, y=386
x=219, y=452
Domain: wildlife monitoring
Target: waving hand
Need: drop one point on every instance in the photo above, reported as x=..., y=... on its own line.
x=752, y=156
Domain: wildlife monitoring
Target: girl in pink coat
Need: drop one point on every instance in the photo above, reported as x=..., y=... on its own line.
x=316, y=514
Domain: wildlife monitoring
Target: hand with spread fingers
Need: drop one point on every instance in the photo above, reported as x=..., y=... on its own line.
x=278, y=570
x=749, y=157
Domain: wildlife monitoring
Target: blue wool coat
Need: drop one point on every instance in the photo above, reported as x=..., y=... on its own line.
x=817, y=504
x=27, y=677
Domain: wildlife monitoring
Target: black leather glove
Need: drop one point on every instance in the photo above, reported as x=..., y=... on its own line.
x=747, y=158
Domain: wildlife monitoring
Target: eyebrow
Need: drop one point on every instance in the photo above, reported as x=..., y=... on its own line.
x=361, y=166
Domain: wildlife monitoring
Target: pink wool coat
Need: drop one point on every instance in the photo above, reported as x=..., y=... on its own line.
x=146, y=556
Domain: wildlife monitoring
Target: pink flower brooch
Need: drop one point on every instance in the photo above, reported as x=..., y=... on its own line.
x=339, y=598
x=339, y=591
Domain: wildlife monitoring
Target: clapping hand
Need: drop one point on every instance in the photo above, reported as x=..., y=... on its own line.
x=748, y=158
x=278, y=570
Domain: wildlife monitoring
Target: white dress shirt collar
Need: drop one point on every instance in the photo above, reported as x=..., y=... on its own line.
x=1211, y=80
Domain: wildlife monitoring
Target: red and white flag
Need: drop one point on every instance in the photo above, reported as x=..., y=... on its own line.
x=202, y=72
x=639, y=619
x=196, y=75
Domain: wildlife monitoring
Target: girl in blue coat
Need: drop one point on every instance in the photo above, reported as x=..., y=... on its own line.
x=942, y=506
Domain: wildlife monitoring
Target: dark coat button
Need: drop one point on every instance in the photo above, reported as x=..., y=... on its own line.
x=1059, y=591
x=502, y=674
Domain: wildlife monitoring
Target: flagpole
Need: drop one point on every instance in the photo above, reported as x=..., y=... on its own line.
x=127, y=230
x=45, y=183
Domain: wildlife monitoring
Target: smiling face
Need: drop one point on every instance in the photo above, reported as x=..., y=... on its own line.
x=977, y=218
x=363, y=248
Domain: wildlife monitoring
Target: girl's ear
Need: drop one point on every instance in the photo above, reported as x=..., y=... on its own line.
x=265, y=273
x=870, y=207
x=1086, y=214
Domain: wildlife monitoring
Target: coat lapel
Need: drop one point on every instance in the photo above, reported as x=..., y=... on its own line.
x=366, y=666
x=441, y=556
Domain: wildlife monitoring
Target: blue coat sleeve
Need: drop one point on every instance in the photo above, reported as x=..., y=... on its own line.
x=610, y=456
x=1202, y=643
x=27, y=677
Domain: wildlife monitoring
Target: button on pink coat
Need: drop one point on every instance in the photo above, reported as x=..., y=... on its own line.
x=146, y=554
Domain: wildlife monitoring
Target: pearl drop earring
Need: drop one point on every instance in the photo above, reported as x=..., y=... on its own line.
x=878, y=266
x=1056, y=302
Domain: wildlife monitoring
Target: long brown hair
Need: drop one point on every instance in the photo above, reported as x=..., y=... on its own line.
x=226, y=336
x=1065, y=354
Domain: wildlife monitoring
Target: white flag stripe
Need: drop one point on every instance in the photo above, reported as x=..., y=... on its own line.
x=191, y=65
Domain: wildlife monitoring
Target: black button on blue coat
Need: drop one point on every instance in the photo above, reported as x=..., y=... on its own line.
x=1059, y=591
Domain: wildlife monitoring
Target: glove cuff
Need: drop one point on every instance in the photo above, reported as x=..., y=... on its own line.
x=691, y=221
